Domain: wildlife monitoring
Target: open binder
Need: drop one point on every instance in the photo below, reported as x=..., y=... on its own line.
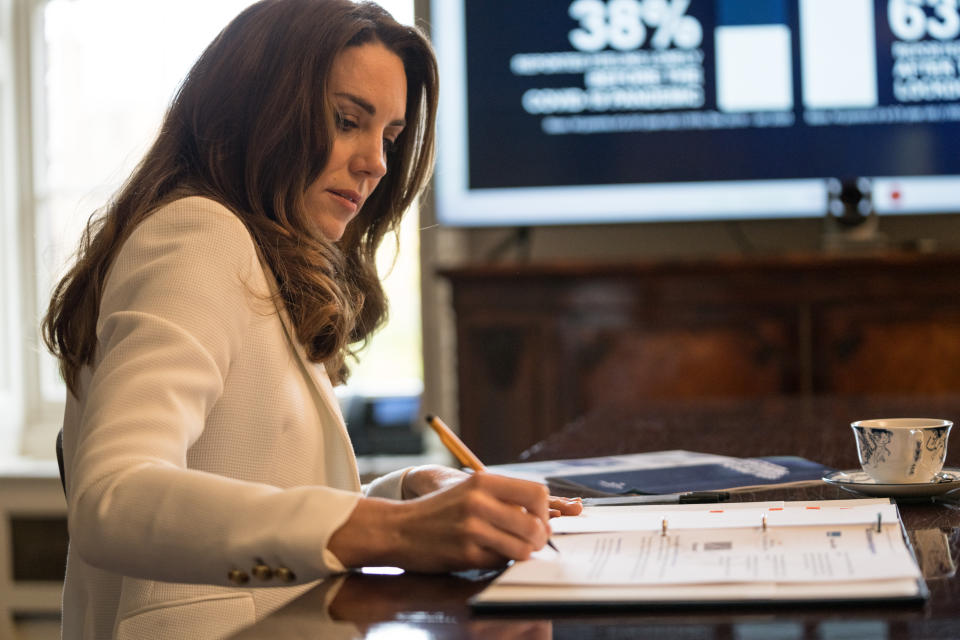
x=743, y=553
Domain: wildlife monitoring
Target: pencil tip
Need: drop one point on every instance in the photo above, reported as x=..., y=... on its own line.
x=429, y=418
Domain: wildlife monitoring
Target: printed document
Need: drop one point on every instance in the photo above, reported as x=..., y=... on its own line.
x=742, y=551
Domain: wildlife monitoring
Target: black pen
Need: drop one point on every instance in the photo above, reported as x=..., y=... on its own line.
x=688, y=497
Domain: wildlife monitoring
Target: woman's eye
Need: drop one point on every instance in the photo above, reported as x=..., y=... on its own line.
x=389, y=146
x=344, y=123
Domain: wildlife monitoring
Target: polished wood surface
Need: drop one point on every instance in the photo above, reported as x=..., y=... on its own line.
x=540, y=344
x=418, y=606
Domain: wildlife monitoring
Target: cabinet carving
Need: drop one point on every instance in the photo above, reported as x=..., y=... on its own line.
x=540, y=344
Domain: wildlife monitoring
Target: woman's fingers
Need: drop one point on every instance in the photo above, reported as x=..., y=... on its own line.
x=481, y=521
x=505, y=527
x=565, y=506
x=507, y=545
x=485, y=520
x=532, y=496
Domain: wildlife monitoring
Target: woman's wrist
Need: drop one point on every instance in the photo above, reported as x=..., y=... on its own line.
x=370, y=535
x=375, y=532
x=423, y=480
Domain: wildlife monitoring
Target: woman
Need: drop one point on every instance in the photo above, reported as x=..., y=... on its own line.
x=209, y=312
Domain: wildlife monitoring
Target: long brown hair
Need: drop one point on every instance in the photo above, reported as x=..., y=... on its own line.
x=251, y=127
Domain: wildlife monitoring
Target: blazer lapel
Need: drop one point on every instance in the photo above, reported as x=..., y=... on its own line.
x=323, y=388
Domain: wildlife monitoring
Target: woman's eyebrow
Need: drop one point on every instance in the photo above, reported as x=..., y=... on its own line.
x=369, y=108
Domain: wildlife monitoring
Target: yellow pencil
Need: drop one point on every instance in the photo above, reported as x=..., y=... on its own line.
x=461, y=451
x=455, y=445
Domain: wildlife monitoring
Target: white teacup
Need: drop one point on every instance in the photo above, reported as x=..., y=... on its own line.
x=902, y=450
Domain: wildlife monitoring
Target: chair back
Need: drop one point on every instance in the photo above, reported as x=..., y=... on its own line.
x=63, y=480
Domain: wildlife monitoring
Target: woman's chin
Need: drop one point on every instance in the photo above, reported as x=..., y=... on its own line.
x=331, y=230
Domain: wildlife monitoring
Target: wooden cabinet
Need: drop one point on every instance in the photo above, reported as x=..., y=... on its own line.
x=540, y=344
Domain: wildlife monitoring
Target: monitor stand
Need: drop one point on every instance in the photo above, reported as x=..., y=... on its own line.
x=851, y=223
x=853, y=235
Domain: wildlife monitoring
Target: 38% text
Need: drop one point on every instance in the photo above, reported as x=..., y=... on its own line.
x=626, y=25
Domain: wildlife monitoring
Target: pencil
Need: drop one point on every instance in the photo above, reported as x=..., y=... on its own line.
x=461, y=451
x=452, y=442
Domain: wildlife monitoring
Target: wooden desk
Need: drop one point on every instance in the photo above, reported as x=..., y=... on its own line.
x=817, y=428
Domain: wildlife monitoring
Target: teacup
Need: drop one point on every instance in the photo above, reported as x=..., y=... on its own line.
x=902, y=450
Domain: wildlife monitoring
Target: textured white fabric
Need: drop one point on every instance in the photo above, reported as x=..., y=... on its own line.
x=202, y=442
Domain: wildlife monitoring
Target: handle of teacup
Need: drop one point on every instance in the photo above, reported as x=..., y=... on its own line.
x=921, y=464
x=918, y=443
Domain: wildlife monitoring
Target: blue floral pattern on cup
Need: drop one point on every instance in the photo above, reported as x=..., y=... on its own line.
x=873, y=444
x=937, y=441
x=902, y=450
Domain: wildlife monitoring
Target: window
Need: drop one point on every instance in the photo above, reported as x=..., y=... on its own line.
x=97, y=76
x=12, y=405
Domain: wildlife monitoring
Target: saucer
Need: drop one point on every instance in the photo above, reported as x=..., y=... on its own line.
x=858, y=481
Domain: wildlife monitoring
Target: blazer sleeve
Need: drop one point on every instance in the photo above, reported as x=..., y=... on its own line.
x=389, y=485
x=174, y=312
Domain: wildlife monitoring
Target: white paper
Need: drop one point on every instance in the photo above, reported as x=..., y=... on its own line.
x=799, y=542
x=726, y=515
x=808, y=554
x=541, y=470
x=498, y=593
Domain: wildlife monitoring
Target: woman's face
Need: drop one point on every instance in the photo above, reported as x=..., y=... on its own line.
x=368, y=88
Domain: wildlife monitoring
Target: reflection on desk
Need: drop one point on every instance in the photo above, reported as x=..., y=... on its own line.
x=424, y=606
x=359, y=605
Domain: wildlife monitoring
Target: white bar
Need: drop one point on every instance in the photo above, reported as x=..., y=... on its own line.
x=932, y=194
x=632, y=202
x=452, y=165
x=838, y=54
x=754, y=68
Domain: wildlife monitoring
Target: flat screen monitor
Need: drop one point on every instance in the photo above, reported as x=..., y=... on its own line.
x=582, y=111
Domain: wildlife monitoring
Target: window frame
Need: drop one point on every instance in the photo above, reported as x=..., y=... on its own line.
x=28, y=423
x=29, y=418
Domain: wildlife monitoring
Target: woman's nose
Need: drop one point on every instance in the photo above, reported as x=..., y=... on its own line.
x=371, y=158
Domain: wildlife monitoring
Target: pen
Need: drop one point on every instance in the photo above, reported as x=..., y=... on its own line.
x=462, y=453
x=689, y=497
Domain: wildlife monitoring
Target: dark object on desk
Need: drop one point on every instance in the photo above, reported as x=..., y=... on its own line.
x=734, y=474
x=689, y=497
x=384, y=424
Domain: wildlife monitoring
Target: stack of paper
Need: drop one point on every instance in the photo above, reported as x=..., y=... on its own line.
x=841, y=550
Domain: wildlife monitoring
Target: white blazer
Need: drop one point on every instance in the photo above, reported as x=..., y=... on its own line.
x=207, y=461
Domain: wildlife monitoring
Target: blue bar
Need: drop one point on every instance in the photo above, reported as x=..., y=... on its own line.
x=735, y=13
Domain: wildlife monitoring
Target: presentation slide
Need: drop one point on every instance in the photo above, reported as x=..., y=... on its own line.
x=570, y=111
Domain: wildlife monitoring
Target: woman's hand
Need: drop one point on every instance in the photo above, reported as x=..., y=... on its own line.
x=467, y=521
x=565, y=506
x=420, y=481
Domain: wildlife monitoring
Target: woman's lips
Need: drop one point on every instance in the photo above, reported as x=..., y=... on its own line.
x=350, y=199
